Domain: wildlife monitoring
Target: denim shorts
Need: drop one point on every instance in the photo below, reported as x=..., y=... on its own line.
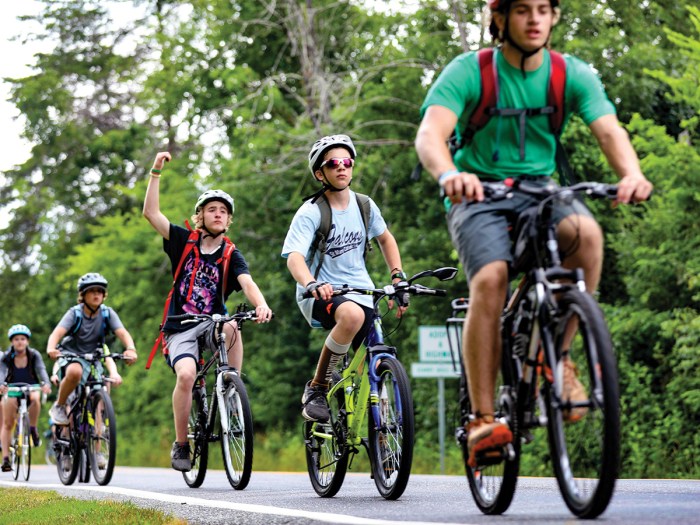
x=481, y=231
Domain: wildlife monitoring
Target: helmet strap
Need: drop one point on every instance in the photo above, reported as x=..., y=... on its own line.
x=524, y=55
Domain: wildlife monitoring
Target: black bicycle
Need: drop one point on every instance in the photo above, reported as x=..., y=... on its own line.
x=549, y=318
x=89, y=441
x=228, y=398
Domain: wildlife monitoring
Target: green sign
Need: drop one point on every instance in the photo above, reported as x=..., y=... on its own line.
x=433, y=346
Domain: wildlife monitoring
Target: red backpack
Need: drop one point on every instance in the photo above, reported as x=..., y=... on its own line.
x=192, y=245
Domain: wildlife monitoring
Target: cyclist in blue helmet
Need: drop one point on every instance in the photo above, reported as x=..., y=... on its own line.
x=21, y=364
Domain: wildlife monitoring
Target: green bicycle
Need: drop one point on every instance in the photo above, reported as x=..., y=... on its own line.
x=374, y=381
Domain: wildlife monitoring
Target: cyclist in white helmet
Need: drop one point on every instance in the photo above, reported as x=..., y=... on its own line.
x=201, y=261
x=331, y=162
x=21, y=364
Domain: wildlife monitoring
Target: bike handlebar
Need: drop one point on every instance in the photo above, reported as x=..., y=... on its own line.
x=249, y=315
x=23, y=387
x=388, y=291
x=97, y=355
x=495, y=191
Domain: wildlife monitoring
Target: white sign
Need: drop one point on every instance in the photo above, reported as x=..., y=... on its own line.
x=433, y=346
x=434, y=370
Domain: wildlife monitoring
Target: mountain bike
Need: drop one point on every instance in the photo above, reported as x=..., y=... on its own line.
x=89, y=441
x=547, y=316
x=374, y=381
x=228, y=399
x=20, y=447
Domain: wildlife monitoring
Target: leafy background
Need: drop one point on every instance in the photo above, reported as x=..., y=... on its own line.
x=237, y=91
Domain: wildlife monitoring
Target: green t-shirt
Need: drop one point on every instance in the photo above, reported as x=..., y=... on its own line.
x=458, y=89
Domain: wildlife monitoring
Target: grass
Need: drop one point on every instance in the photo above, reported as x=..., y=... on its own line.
x=39, y=507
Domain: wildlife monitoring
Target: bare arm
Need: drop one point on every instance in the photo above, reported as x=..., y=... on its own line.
x=296, y=264
x=151, y=204
x=255, y=296
x=58, y=333
x=617, y=148
x=392, y=256
x=130, y=354
x=431, y=145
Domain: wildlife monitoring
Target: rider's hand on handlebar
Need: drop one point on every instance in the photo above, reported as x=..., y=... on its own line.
x=3, y=389
x=46, y=388
x=402, y=298
x=129, y=356
x=463, y=186
x=54, y=353
x=263, y=314
x=633, y=188
x=115, y=378
x=54, y=380
x=322, y=291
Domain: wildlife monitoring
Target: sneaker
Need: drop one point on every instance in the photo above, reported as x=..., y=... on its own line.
x=573, y=392
x=101, y=461
x=35, y=437
x=484, y=436
x=6, y=467
x=315, y=406
x=58, y=414
x=180, y=457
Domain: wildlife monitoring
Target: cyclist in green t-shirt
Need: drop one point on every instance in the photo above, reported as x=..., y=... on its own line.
x=504, y=148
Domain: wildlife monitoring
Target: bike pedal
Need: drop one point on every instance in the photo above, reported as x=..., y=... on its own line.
x=460, y=435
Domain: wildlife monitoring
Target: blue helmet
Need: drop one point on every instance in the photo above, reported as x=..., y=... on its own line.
x=18, y=329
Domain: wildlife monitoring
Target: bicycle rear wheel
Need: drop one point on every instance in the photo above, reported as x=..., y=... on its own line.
x=198, y=439
x=102, y=432
x=326, y=452
x=67, y=453
x=492, y=483
x=237, y=443
x=391, y=445
x=15, y=451
x=585, y=449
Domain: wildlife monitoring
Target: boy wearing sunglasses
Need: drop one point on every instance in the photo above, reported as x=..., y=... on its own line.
x=331, y=162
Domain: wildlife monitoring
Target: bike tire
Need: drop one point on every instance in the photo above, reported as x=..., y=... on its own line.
x=101, y=412
x=198, y=439
x=237, y=443
x=585, y=453
x=327, y=455
x=493, y=486
x=26, y=449
x=67, y=455
x=15, y=451
x=391, y=445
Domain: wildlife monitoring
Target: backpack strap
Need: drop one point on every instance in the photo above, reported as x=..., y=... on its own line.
x=225, y=260
x=555, y=92
x=365, y=210
x=190, y=245
x=488, y=98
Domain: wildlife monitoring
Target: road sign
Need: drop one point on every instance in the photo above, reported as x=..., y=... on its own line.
x=433, y=346
x=433, y=370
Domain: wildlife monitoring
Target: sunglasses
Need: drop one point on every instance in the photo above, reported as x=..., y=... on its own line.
x=335, y=163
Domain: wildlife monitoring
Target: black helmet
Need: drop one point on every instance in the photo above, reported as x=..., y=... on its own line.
x=92, y=280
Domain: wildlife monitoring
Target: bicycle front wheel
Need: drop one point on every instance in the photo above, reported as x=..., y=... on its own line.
x=16, y=451
x=102, y=442
x=584, y=431
x=237, y=442
x=67, y=453
x=326, y=453
x=197, y=437
x=391, y=441
x=25, y=452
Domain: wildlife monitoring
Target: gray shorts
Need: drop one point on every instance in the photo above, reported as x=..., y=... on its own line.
x=184, y=344
x=480, y=231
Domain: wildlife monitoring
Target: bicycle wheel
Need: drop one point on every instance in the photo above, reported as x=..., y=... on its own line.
x=391, y=445
x=237, y=442
x=198, y=439
x=492, y=483
x=585, y=452
x=25, y=451
x=102, y=436
x=16, y=451
x=67, y=453
x=326, y=453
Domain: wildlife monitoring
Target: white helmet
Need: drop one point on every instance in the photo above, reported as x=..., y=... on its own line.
x=214, y=195
x=18, y=329
x=324, y=144
x=92, y=280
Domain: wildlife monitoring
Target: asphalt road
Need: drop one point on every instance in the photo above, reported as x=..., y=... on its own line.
x=287, y=498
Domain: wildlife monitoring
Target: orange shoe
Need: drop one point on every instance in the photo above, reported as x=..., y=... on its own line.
x=573, y=392
x=484, y=435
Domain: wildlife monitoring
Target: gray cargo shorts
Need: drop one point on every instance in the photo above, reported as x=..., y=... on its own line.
x=184, y=344
x=480, y=231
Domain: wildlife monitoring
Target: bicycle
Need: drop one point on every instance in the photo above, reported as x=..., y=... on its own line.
x=20, y=447
x=547, y=307
x=91, y=440
x=374, y=381
x=228, y=399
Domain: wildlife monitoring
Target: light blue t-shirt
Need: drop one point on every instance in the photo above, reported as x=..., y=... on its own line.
x=344, y=261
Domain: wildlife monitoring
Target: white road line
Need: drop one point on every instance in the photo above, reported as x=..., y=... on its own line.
x=241, y=507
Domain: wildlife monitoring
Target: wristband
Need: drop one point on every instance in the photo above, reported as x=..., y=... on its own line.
x=153, y=170
x=132, y=347
x=446, y=174
x=399, y=275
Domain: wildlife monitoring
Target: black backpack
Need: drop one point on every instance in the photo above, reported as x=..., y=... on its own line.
x=320, y=239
